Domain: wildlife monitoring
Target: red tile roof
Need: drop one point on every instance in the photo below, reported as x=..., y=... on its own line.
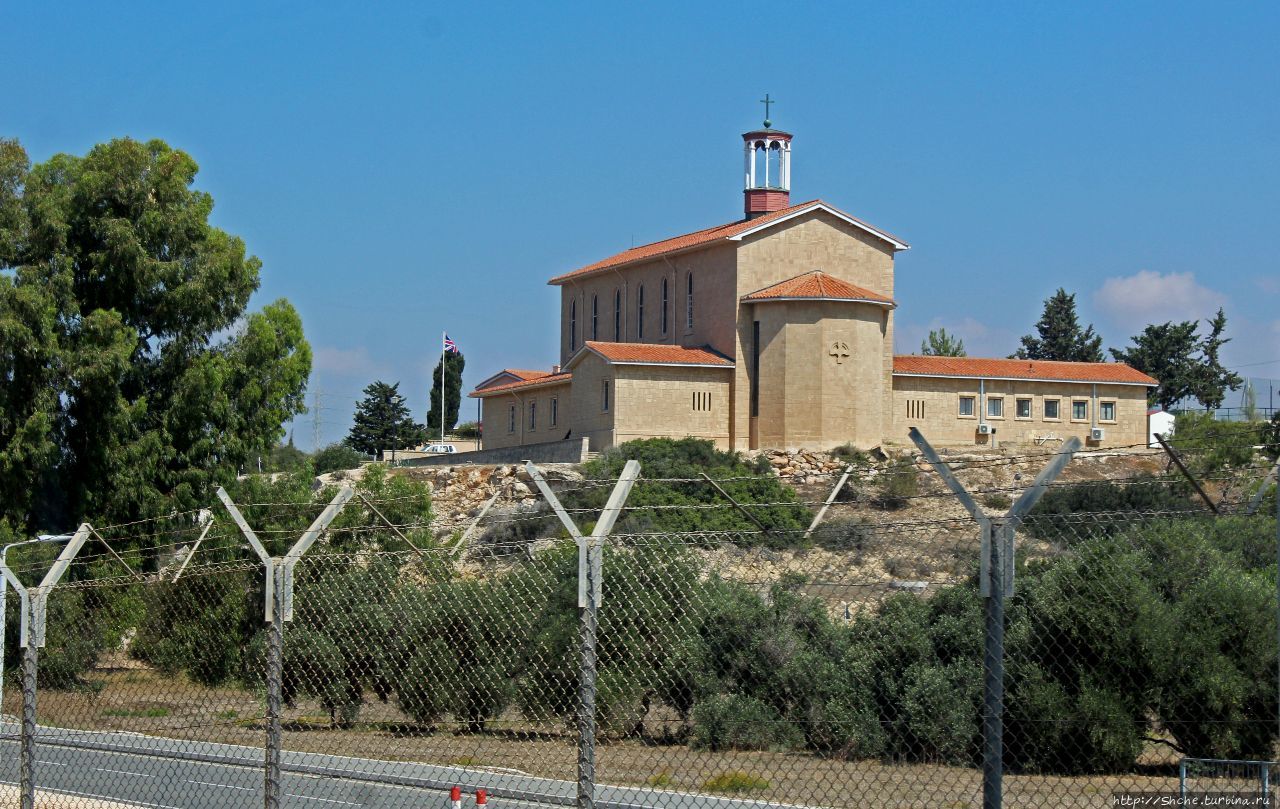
x=539, y=381
x=702, y=238
x=652, y=354
x=519, y=373
x=817, y=285
x=976, y=367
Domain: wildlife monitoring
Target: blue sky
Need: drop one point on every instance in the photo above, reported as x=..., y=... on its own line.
x=408, y=168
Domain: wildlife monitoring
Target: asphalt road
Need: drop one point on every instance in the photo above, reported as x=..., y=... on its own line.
x=173, y=774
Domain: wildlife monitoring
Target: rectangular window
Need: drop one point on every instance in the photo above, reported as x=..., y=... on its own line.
x=702, y=401
x=604, y=396
x=640, y=313
x=995, y=407
x=1024, y=409
x=966, y=406
x=1107, y=411
x=755, y=368
x=555, y=410
x=511, y=419
x=688, y=318
x=915, y=409
x=533, y=416
x=1080, y=409
x=1051, y=409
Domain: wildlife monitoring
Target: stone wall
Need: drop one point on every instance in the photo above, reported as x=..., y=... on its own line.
x=572, y=450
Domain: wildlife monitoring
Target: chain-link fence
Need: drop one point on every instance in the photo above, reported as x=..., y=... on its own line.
x=1056, y=657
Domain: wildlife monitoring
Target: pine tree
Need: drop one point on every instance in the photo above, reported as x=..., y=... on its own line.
x=1059, y=336
x=382, y=421
x=455, y=362
x=1187, y=366
x=941, y=344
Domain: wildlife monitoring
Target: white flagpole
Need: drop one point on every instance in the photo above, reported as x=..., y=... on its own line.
x=443, y=336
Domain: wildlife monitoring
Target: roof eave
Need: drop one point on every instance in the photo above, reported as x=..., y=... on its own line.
x=898, y=245
x=872, y=301
x=1151, y=384
x=570, y=277
x=520, y=388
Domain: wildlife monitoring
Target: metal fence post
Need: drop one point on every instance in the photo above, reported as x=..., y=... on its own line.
x=35, y=602
x=995, y=584
x=275, y=680
x=27, y=767
x=994, y=533
x=590, y=575
x=278, y=598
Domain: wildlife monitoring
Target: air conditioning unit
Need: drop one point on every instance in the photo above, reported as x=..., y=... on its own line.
x=1097, y=434
x=986, y=429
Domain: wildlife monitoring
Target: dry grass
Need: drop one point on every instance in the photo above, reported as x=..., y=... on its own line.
x=128, y=700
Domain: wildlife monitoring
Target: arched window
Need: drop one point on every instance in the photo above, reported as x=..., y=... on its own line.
x=617, y=315
x=640, y=312
x=688, y=306
x=666, y=305
x=573, y=324
x=595, y=317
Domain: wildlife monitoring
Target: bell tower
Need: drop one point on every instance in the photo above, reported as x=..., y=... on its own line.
x=768, y=167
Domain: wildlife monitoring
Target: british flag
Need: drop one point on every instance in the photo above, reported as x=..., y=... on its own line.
x=450, y=345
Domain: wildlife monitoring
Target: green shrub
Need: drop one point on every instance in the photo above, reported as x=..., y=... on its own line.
x=997, y=501
x=735, y=781
x=654, y=505
x=467, y=429
x=844, y=534
x=337, y=456
x=849, y=454
x=1271, y=437
x=736, y=722
x=1208, y=445
x=899, y=482
x=1067, y=514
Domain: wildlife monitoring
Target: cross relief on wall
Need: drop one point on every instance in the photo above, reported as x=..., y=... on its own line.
x=839, y=350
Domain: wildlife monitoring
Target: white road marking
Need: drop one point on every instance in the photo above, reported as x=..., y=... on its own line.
x=216, y=784
x=326, y=800
x=123, y=772
x=126, y=801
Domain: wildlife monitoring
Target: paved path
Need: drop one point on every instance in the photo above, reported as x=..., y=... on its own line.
x=175, y=774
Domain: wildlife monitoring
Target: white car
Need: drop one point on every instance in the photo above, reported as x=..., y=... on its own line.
x=440, y=448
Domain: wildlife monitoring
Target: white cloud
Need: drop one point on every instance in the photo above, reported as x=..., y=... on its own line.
x=345, y=362
x=1132, y=301
x=1269, y=284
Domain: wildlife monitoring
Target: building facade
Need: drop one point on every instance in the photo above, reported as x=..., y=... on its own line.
x=776, y=331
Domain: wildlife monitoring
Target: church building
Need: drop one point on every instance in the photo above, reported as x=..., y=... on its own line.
x=776, y=331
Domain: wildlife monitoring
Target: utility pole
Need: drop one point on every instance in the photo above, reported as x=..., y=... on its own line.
x=315, y=418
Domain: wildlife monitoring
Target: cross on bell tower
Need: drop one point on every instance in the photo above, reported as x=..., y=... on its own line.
x=768, y=167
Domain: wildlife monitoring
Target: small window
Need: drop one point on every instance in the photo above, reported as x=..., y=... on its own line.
x=1051, y=409
x=1079, y=410
x=688, y=315
x=604, y=396
x=640, y=312
x=533, y=416
x=702, y=401
x=1023, y=409
x=555, y=410
x=573, y=324
x=665, y=306
x=617, y=316
x=915, y=409
x=966, y=406
x=1107, y=411
x=995, y=407
x=595, y=317
x=511, y=419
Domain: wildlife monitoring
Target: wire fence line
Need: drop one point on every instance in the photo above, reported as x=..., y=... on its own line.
x=997, y=656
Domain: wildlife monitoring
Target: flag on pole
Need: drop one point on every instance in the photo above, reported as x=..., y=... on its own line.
x=450, y=345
